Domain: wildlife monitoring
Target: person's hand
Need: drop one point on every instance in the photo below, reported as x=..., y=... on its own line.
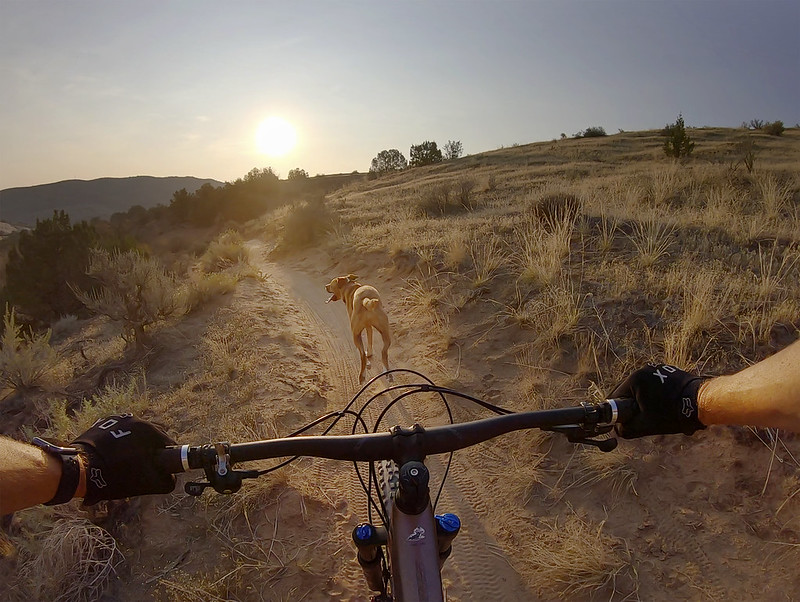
x=667, y=399
x=121, y=454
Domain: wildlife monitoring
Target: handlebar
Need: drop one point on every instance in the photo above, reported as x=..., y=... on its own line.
x=411, y=444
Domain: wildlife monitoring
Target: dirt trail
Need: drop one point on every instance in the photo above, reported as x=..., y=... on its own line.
x=478, y=570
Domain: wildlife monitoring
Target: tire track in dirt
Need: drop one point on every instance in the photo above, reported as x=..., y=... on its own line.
x=678, y=540
x=478, y=570
x=319, y=326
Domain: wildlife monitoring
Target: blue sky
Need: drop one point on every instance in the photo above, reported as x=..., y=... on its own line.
x=111, y=88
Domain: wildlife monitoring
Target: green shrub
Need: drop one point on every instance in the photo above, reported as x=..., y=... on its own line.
x=66, y=424
x=134, y=290
x=204, y=287
x=387, y=161
x=556, y=207
x=228, y=250
x=47, y=263
x=305, y=224
x=677, y=143
x=774, y=129
x=447, y=198
x=425, y=153
x=592, y=132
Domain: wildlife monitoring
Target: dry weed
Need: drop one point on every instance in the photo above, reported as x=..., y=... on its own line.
x=653, y=239
x=425, y=300
x=613, y=468
x=202, y=288
x=573, y=558
x=542, y=388
x=488, y=258
x=26, y=359
x=541, y=250
x=775, y=197
x=558, y=310
x=229, y=349
x=456, y=249
x=228, y=250
x=664, y=183
x=65, y=424
x=76, y=562
x=607, y=229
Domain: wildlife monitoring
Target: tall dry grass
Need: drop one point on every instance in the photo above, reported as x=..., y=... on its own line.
x=571, y=558
x=27, y=360
x=74, y=561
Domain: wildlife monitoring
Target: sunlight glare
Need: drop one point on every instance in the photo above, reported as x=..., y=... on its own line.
x=275, y=136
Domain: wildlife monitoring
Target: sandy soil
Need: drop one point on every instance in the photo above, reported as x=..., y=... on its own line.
x=707, y=517
x=699, y=518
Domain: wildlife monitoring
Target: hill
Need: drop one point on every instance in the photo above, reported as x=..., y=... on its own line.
x=85, y=199
x=533, y=276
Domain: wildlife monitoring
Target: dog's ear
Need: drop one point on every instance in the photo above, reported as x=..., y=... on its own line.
x=352, y=277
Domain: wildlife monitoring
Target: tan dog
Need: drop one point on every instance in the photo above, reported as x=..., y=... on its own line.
x=366, y=312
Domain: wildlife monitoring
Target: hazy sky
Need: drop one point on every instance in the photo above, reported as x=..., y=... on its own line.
x=110, y=88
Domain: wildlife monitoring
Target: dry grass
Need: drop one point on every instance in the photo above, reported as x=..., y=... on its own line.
x=774, y=271
x=426, y=302
x=571, y=558
x=228, y=250
x=664, y=184
x=488, y=259
x=775, y=197
x=706, y=296
x=65, y=424
x=541, y=249
x=27, y=359
x=554, y=313
x=569, y=309
x=607, y=229
x=612, y=468
x=652, y=239
x=518, y=454
x=76, y=563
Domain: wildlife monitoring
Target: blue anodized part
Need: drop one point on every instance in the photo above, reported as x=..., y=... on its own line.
x=448, y=522
x=365, y=532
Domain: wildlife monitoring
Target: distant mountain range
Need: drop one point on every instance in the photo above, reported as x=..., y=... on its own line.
x=85, y=199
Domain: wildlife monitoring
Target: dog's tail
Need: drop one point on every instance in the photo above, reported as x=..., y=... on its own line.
x=370, y=304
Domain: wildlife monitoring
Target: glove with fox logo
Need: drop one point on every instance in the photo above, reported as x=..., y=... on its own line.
x=121, y=454
x=667, y=399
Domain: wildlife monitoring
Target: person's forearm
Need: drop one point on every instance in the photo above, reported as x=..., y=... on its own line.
x=766, y=394
x=28, y=476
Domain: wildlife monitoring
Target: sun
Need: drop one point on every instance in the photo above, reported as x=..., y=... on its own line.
x=275, y=136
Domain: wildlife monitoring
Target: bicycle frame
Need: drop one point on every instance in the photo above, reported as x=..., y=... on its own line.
x=415, y=543
x=414, y=552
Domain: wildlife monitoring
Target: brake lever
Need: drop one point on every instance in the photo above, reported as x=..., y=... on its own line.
x=583, y=433
x=576, y=433
x=219, y=472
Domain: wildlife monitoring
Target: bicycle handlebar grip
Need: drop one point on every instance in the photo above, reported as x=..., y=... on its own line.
x=175, y=458
x=626, y=408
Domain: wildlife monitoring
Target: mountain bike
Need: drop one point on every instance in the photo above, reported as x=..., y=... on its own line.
x=401, y=556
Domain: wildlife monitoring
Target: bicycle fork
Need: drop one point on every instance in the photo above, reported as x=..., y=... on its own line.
x=418, y=542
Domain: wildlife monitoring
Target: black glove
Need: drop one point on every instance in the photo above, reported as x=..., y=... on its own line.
x=667, y=399
x=122, y=459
